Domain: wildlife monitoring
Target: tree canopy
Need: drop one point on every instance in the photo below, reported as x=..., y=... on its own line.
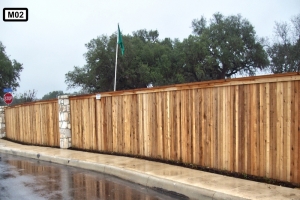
x=228, y=45
x=285, y=51
x=9, y=71
x=146, y=60
x=225, y=46
x=27, y=96
x=52, y=95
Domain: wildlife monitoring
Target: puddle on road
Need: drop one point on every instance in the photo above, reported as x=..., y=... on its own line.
x=23, y=178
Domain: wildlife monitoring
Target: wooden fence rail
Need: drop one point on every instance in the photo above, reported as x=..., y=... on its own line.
x=33, y=123
x=247, y=125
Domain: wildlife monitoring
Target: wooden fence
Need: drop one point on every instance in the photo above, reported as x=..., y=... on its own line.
x=248, y=125
x=33, y=123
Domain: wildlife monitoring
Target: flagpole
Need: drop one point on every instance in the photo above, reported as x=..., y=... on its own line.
x=116, y=62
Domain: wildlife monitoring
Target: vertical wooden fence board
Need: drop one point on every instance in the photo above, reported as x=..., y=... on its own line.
x=76, y=135
x=196, y=127
x=288, y=136
x=97, y=142
x=168, y=135
x=213, y=128
x=254, y=129
x=120, y=119
x=230, y=126
x=205, y=129
x=127, y=118
x=241, y=130
x=261, y=128
x=297, y=132
x=92, y=123
x=178, y=125
x=172, y=125
x=152, y=128
x=257, y=129
x=135, y=112
x=279, y=131
x=193, y=125
x=108, y=113
x=296, y=136
x=141, y=132
x=293, y=117
x=201, y=128
x=74, y=120
x=188, y=126
x=183, y=126
x=145, y=129
x=236, y=129
x=227, y=124
x=114, y=123
x=267, y=130
x=164, y=116
x=159, y=124
x=272, y=132
x=220, y=128
x=286, y=129
x=248, y=125
x=224, y=121
x=210, y=129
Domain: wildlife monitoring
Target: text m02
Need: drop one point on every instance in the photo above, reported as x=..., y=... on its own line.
x=15, y=14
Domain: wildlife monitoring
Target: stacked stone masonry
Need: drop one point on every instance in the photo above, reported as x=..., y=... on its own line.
x=64, y=121
x=2, y=122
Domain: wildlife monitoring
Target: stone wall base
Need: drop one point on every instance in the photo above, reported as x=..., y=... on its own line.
x=64, y=122
x=2, y=122
x=65, y=143
x=2, y=135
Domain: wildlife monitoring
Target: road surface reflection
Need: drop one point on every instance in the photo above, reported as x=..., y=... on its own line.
x=23, y=178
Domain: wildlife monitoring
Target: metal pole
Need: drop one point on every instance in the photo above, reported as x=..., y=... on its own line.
x=115, y=84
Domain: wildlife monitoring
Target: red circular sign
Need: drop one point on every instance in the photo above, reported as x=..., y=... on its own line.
x=8, y=98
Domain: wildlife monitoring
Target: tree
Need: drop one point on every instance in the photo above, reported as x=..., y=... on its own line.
x=285, y=51
x=9, y=71
x=27, y=96
x=52, y=95
x=226, y=46
x=146, y=60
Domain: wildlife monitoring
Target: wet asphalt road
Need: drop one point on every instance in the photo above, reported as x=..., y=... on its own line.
x=23, y=178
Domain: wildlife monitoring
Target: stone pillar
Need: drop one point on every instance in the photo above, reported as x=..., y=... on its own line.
x=2, y=122
x=64, y=122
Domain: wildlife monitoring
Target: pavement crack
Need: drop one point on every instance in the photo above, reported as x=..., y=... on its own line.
x=213, y=195
x=147, y=181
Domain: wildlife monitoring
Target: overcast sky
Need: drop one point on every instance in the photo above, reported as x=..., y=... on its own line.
x=52, y=42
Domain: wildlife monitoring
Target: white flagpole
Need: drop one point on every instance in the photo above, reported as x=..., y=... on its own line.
x=116, y=61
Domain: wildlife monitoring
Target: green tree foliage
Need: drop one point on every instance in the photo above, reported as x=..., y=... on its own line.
x=27, y=96
x=224, y=47
x=146, y=60
x=285, y=51
x=9, y=71
x=218, y=50
x=52, y=95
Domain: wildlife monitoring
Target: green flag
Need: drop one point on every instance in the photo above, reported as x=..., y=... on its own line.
x=120, y=40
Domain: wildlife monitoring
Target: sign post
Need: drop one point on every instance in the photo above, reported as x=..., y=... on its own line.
x=8, y=98
x=7, y=90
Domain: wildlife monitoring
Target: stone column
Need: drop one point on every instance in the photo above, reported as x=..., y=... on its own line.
x=64, y=122
x=2, y=122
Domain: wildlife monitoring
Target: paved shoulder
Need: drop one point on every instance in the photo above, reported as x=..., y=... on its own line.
x=192, y=183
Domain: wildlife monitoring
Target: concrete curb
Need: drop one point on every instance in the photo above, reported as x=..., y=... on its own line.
x=141, y=178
